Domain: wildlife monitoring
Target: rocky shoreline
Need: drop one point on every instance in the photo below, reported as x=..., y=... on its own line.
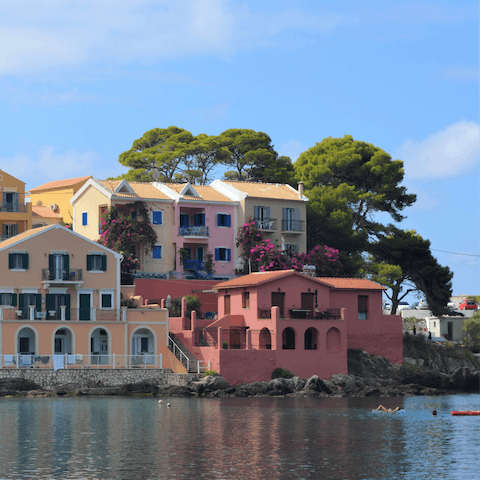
x=428, y=369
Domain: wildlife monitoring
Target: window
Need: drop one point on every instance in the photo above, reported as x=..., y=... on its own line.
x=96, y=262
x=291, y=248
x=18, y=261
x=362, y=307
x=291, y=219
x=106, y=300
x=199, y=220
x=8, y=299
x=224, y=220
x=84, y=219
x=223, y=254
x=157, y=251
x=245, y=299
x=134, y=215
x=157, y=217
x=9, y=230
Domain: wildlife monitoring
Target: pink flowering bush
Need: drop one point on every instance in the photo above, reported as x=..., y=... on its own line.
x=120, y=232
x=265, y=256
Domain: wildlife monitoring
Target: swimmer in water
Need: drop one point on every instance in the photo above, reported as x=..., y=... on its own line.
x=386, y=410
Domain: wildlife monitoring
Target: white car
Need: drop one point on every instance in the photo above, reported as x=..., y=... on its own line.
x=403, y=305
x=452, y=305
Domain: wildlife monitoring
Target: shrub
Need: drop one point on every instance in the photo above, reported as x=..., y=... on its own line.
x=208, y=373
x=281, y=373
x=225, y=345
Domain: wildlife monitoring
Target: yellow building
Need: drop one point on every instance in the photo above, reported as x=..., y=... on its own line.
x=56, y=196
x=15, y=214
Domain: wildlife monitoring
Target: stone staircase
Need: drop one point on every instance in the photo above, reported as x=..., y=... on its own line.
x=192, y=360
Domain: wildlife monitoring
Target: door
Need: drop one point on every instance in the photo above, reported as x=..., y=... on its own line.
x=450, y=331
x=200, y=254
x=307, y=304
x=278, y=300
x=85, y=310
x=227, y=304
x=58, y=265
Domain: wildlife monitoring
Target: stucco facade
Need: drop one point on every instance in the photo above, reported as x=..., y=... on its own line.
x=60, y=295
x=289, y=320
x=15, y=213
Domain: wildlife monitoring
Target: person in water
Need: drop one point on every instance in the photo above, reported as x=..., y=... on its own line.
x=434, y=413
x=387, y=410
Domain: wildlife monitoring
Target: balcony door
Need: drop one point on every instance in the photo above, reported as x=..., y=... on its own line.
x=278, y=300
x=85, y=306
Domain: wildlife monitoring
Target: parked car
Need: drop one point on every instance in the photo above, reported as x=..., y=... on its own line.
x=452, y=305
x=423, y=305
x=468, y=304
x=453, y=313
x=403, y=305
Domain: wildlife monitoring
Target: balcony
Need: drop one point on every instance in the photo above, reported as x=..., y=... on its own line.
x=267, y=225
x=193, y=231
x=59, y=276
x=12, y=207
x=293, y=226
x=194, y=265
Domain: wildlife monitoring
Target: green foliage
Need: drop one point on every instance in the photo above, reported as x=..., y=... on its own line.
x=193, y=303
x=471, y=327
x=129, y=303
x=282, y=373
x=402, y=260
x=208, y=373
x=225, y=345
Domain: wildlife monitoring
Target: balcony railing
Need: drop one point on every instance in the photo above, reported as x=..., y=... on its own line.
x=193, y=231
x=193, y=265
x=12, y=207
x=62, y=275
x=6, y=237
x=266, y=224
x=293, y=225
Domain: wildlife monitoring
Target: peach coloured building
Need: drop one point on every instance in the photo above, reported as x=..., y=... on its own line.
x=15, y=213
x=56, y=196
x=290, y=320
x=60, y=297
x=278, y=210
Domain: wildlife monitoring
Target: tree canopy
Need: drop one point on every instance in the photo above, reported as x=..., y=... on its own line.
x=402, y=261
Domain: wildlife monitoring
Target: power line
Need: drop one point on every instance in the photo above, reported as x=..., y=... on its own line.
x=455, y=253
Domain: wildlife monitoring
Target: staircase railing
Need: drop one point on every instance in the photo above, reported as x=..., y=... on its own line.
x=177, y=351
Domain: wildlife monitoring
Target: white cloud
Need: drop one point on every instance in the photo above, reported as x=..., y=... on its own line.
x=464, y=73
x=39, y=35
x=448, y=153
x=50, y=165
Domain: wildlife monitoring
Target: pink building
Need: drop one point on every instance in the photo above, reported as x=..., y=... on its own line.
x=290, y=320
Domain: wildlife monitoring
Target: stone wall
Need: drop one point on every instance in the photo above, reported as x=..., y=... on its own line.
x=95, y=378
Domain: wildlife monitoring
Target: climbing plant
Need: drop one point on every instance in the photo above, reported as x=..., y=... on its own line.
x=123, y=229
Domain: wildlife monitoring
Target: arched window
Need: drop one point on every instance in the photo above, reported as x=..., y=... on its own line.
x=311, y=338
x=99, y=347
x=26, y=341
x=334, y=339
x=63, y=342
x=265, y=339
x=288, y=339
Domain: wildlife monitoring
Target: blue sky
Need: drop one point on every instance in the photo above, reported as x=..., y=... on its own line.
x=81, y=80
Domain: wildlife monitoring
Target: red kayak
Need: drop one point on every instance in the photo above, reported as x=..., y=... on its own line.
x=466, y=412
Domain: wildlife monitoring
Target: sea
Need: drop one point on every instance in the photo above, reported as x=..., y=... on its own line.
x=238, y=438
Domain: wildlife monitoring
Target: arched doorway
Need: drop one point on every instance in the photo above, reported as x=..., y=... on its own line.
x=288, y=339
x=26, y=341
x=334, y=339
x=99, y=347
x=143, y=346
x=235, y=339
x=265, y=340
x=311, y=338
x=63, y=342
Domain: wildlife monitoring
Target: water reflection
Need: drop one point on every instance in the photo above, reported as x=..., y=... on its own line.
x=200, y=438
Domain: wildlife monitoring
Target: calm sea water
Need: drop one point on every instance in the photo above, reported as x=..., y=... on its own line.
x=252, y=438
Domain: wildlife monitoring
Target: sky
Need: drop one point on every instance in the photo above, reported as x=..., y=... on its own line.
x=81, y=80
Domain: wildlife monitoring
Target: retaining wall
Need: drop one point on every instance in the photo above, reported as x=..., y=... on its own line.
x=95, y=378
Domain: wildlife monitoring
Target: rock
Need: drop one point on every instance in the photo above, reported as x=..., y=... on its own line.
x=465, y=380
x=280, y=386
x=211, y=383
x=317, y=385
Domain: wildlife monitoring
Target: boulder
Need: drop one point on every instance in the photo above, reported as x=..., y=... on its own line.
x=466, y=380
x=317, y=385
x=210, y=383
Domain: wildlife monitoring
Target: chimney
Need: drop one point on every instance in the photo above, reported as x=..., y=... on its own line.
x=300, y=189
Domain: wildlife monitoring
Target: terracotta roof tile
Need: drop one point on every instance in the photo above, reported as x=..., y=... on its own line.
x=141, y=189
x=59, y=184
x=22, y=236
x=266, y=190
x=209, y=194
x=44, y=212
x=351, y=283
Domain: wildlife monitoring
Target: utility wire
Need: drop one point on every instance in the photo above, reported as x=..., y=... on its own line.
x=455, y=253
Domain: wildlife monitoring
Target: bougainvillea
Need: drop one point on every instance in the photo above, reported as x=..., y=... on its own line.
x=263, y=255
x=124, y=227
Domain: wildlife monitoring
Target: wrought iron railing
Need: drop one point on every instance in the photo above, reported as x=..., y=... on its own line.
x=193, y=231
x=293, y=225
x=62, y=275
x=12, y=207
x=266, y=224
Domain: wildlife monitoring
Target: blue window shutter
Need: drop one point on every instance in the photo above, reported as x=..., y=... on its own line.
x=219, y=221
x=255, y=214
x=229, y=220
x=157, y=218
x=297, y=219
x=217, y=254
x=268, y=214
x=285, y=213
x=84, y=218
x=202, y=219
x=157, y=251
x=229, y=255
